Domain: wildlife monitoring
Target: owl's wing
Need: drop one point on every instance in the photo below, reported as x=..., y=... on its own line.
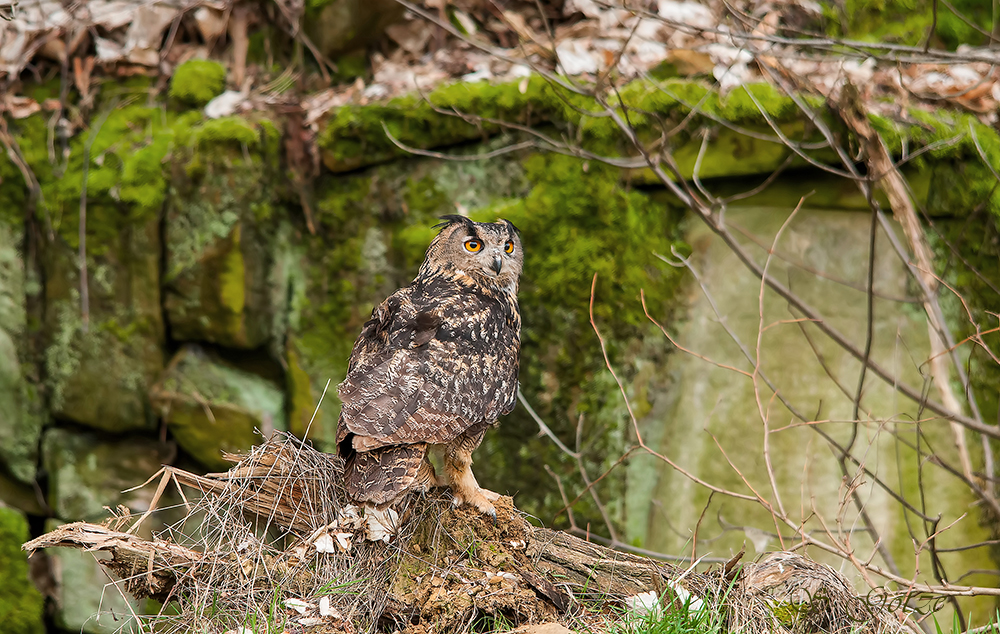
x=431, y=364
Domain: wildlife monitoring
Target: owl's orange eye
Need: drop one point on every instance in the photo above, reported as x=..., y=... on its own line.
x=473, y=245
x=509, y=246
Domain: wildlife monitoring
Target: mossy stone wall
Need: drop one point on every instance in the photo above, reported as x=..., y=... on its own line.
x=217, y=311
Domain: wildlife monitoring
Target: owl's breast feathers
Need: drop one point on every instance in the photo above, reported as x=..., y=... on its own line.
x=437, y=359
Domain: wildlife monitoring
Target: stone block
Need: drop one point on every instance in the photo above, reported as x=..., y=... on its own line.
x=213, y=408
x=222, y=236
x=21, y=411
x=87, y=473
x=98, y=368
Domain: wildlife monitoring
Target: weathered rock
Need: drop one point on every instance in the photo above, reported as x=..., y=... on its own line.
x=543, y=628
x=21, y=416
x=98, y=371
x=21, y=605
x=100, y=350
x=87, y=473
x=221, y=240
x=26, y=497
x=705, y=398
x=21, y=412
x=212, y=407
x=86, y=598
x=339, y=26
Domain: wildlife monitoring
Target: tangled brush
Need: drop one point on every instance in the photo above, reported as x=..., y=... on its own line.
x=274, y=545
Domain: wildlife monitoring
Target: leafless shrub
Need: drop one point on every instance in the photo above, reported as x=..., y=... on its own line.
x=837, y=105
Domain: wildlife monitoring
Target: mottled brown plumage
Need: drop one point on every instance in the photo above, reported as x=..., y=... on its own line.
x=434, y=367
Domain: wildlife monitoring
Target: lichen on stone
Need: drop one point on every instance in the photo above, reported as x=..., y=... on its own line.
x=21, y=411
x=88, y=473
x=212, y=407
x=97, y=371
x=221, y=236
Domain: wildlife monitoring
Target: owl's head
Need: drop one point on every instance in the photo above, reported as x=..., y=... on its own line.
x=488, y=252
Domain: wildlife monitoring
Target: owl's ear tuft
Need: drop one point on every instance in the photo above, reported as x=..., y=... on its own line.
x=512, y=226
x=452, y=219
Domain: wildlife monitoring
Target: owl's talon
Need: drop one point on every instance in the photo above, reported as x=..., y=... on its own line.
x=490, y=495
x=481, y=504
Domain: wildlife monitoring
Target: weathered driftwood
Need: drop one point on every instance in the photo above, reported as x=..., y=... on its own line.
x=602, y=569
x=149, y=568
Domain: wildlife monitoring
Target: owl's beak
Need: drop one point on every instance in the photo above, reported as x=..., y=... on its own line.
x=497, y=264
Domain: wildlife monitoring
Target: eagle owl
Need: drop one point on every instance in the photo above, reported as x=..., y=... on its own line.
x=434, y=367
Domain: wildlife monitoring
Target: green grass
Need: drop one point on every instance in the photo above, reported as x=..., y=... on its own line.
x=707, y=619
x=956, y=627
x=704, y=621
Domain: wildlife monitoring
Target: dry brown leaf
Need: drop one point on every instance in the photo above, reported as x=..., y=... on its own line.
x=211, y=23
x=690, y=62
x=412, y=36
x=19, y=107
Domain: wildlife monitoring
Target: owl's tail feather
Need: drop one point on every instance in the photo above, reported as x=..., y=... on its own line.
x=382, y=475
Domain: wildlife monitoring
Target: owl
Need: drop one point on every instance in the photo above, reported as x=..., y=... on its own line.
x=434, y=368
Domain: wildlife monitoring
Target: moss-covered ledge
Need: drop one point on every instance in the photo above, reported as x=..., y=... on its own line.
x=354, y=136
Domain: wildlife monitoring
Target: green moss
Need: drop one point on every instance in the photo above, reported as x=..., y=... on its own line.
x=355, y=136
x=959, y=181
x=125, y=166
x=22, y=412
x=97, y=371
x=49, y=89
x=226, y=130
x=299, y=388
x=909, y=21
x=231, y=281
x=21, y=604
x=99, y=377
x=593, y=226
x=198, y=81
x=350, y=67
x=974, y=271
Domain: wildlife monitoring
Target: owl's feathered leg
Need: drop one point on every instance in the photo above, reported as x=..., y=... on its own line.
x=382, y=475
x=427, y=478
x=458, y=470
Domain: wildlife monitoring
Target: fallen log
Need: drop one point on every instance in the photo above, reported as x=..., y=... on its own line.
x=277, y=539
